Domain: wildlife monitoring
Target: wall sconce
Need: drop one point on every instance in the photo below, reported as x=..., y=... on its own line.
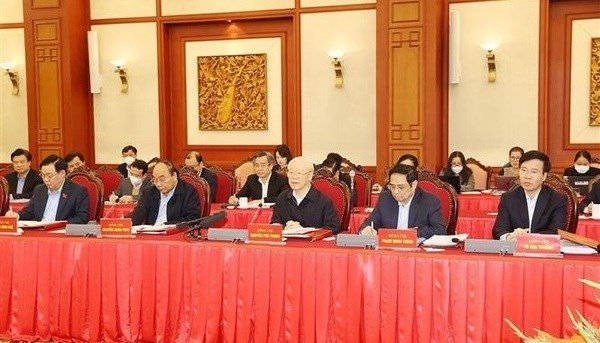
x=119, y=64
x=337, y=67
x=13, y=75
x=489, y=47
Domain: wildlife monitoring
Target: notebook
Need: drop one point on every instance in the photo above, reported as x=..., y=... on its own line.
x=579, y=183
x=454, y=181
x=504, y=182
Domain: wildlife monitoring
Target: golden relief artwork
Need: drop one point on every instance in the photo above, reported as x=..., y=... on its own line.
x=595, y=83
x=232, y=92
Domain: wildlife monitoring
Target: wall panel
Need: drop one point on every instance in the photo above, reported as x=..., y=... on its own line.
x=183, y=7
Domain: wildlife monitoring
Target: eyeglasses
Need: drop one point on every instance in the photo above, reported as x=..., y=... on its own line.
x=48, y=176
x=295, y=173
x=392, y=187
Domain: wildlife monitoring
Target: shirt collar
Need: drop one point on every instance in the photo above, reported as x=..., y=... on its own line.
x=24, y=175
x=409, y=201
x=266, y=180
x=534, y=197
x=170, y=193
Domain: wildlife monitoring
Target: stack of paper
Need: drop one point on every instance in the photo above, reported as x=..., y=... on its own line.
x=445, y=240
x=151, y=229
x=298, y=232
x=568, y=247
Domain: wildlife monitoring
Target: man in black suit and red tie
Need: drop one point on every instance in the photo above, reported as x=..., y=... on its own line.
x=23, y=180
x=58, y=198
x=264, y=184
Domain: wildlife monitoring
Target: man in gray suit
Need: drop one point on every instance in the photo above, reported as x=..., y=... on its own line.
x=130, y=188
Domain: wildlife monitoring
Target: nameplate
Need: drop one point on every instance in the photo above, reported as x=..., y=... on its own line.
x=538, y=245
x=356, y=241
x=8, y=225
x=397, y=239
x=115, y=227
x=265, y=233
x=489, y=246
x=227, y=235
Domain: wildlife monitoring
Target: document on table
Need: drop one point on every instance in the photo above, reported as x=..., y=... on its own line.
x=445, y=240
x=151, y=229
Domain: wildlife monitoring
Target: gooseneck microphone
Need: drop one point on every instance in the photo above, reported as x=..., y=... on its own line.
x=196, y=225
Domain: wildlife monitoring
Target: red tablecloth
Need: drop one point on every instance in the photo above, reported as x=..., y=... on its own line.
x=478, y=202
x=165, y=289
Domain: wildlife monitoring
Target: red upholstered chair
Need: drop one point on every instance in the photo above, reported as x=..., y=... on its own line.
x=559, y=185
x=95, y=190
x=111, y=179
x=447, y=195
x=4, y=198
x=481, y=173
x=363, y=184
x=339, y=194
x=202, y=188
x=225, y=186
x=6, y=171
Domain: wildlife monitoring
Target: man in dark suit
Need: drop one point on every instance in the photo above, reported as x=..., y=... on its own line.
x=129, y=153
x=58, y=198
x=75, y=162
x=532, y=206
x=194, y=160
x=130, y=188
x=264, y=184
x=169, y=200
x=592, y=198
x=405, y=205
x=23, y=180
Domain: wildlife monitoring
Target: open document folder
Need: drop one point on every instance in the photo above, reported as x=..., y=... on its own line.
x=155, y=229
x=445, y=240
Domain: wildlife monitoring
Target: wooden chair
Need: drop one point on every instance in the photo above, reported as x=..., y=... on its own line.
x=349, y=166
x=447, y=196
x=339, y=194
x=481, y=173
x=202, y=188
x=362, y=185
x=242, y=171
x=595, y=162
x=4, y=196
x=95, y=190
x=111, y=179
x=225, y=186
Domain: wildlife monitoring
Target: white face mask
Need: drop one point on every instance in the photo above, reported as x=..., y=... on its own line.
x=456, y=169
x=582, y=169
x=136, y=181
x=128, y=160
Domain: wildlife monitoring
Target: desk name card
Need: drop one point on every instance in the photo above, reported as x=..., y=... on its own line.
x=538, y=245
x=8, y=224
x=401, y=239
x=115, y=227
x=258, y=232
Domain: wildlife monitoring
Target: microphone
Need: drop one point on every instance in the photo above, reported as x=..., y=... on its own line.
x=112, y=208
x=255, y=215
x=352, y=174
x=203, y=222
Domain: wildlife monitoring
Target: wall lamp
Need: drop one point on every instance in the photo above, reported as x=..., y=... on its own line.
x=337, y=66
x=489, y=47
x=119, y=64
x=13, y=75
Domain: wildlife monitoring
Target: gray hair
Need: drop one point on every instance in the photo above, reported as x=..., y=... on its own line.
x=303, y=163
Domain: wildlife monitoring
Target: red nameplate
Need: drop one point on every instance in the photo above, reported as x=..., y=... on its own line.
x=405, y=239
x=8, y=224
x=265, y=232
x=115, y=227
x=538, y=245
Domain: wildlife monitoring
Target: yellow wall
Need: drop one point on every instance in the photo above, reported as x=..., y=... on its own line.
x=11, y=11
x=101, y=9
x=181, y=7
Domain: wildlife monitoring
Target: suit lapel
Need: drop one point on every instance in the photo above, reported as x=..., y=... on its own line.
x=523, y=216
x=540, y=205
x=414, y=208
x=62, y=202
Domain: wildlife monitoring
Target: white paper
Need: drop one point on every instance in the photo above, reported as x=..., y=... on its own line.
x=444, y=240
x=471, y=192
x=298, y=231
x=36, y=224
x=432, y=249
x=150, y=228
x=568, y=247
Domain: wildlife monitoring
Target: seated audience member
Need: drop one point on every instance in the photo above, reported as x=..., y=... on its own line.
x=303, y=205
x=23, y=180
x=283, y=156
x=409, y=160
x=170, y=199
x=264, y=184
x=512, y=167
x=153, y=161
x=129, y=154
x=457, y=166
x=130, y=187
x=532, y=205
x=75, y=162
x=333, y=168
x=405, y=205
x=194, y=160
x=592, y=198
x=58, y=198
x=581, y=165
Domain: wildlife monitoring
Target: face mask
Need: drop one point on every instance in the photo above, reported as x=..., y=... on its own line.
x=582, y=169
x=128, y=160
x=136, y=181
x=457, y=169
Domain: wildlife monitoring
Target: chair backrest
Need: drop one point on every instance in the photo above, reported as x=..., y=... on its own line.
x=95, y=190
x=362, y=185
x=481, y=173
x=339, y=194
x=592, y=182
x=6, y=171
x=447, y=196
x=202, y=188
x=4, y=196
x=349, y=166
x=559, y=185
x=225, y=185
x=323, y=172
x=242, y=171
x=595, y=162
x=111, y=179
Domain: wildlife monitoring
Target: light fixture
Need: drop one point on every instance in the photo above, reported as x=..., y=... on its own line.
x=13, y=75
x=337, y=66
x=489, y=47
x=119, y=64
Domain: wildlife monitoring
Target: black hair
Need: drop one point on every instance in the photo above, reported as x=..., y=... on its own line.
x=196, y=155
x=409, y=171
x=410, y=157
x=536, y=155
x=259, y=154
x=141, y=165
x=465, y=173
x=57, y=161
x=583, y=153
x=21, y=152
x=331, y=163
x=284, y=151
x=516, y=149
x=129, y=147
x=70, y=156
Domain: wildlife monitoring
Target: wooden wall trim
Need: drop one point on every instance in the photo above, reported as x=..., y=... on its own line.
x=543, y=75
x=339, y=8
x=12, y=26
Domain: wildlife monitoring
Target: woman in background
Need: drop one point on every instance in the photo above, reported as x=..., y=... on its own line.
x=283, y=156
x=457, y=166
x=512, y=167
x=581, y=165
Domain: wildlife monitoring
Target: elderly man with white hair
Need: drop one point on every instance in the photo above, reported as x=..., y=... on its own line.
x=304, y=205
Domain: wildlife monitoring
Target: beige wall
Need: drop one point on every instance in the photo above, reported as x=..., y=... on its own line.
x=338, y=119
x=127, y=118
x=181, y=7
x=487, y=119
x=11, y=11
x=315, y=3
x=13, y=109
x=101, y=9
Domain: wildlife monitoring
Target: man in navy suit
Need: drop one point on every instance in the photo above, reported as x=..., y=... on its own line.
x=23, y=180
x=532, y=206
x=58, y=198
x=405, y=205
x=264, y=184
x=194, y=160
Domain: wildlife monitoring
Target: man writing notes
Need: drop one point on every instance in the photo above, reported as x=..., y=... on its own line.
x=532, y=206
x=303, y=205
x=169, y=200
x=264, y=184
x=58, y=198
x=23, y=180
x=405, y=205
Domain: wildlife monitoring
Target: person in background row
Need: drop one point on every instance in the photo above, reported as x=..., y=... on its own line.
x=283, y=156
x=592, y=198
x=58, y=198
x=23, y=180
x=129, y=154
x=194, y=160
x=581, y=165
x=409, y=160
x=457, y=166
x=330, y=167
x=130, y=188
x=153, y=161
x=264, y=184
x=512, y=167
x=75, y=161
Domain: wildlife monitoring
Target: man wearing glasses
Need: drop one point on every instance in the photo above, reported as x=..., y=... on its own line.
x=264, y=184
x=405, y=205
x=58, y=198
x=170, y=200
x=531, y=207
